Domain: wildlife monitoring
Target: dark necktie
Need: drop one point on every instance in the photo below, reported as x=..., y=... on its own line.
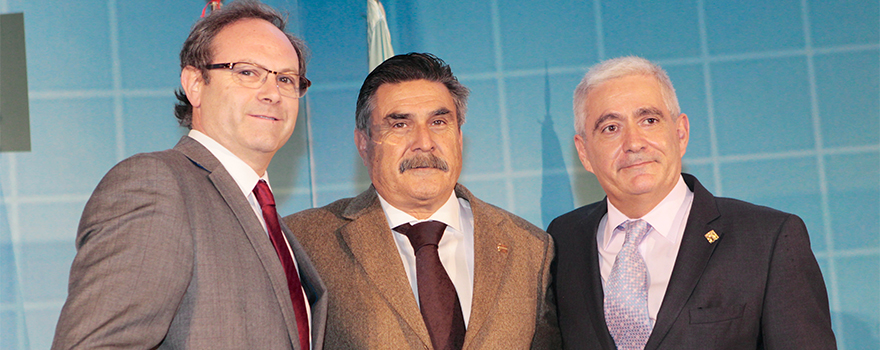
x=438, y=300
x=267, y=203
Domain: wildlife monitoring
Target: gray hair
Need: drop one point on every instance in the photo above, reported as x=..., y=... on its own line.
x=618, y=68
x=403, y=68
x=198, y=51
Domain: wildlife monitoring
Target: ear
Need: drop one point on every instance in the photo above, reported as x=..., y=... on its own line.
x=361, y=141
x=192, y=82
x=684, y=132
x=581, y=146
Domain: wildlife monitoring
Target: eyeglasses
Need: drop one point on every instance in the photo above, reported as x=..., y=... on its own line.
x=253, y=76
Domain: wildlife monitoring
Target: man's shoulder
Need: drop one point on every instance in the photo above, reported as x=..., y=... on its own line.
x=524, y=224
x=733, y=205
x=744, y=213
x=320, y=215
x=316, y=221
x=316, y=228
x=151, y=164
x=730, y=210
x=493, y=212
x=577, y=215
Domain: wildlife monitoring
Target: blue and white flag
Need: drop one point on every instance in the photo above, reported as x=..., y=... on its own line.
x=378, y=36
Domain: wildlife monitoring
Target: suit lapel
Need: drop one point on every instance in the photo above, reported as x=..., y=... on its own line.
x=490, y=262
x=372, y=245
x=594, y=297
x=693, y=256
x=253, y=230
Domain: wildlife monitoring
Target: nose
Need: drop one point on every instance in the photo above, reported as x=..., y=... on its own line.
x=422, y=138
x=633, y=138
x=269, y=91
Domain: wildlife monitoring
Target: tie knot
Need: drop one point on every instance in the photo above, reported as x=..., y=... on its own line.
x=423, y=234
x=635, y=230
x=264, y=194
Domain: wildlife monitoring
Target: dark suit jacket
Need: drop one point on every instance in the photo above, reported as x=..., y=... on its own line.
x=371, y=302
x=170, y=255
x=757, y=287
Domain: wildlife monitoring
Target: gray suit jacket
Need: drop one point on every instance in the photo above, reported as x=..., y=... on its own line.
x=757, y=286
x=372, y=305
x=170, y=255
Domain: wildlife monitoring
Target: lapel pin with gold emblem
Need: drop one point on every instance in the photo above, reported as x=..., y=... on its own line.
x=711, y=236
x=501, y=248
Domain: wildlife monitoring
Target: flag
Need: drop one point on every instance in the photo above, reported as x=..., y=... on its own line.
x=378, y=36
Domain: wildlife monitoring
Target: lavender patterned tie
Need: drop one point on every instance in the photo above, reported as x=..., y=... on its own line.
x=626, y=292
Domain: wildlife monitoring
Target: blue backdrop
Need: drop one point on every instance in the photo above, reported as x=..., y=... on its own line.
x=783, y=98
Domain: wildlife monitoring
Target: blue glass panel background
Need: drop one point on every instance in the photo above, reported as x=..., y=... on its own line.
x=783, y=99
x=483, y=117
x=524, y=47
x=652, y=29
x=737, y=26
x=844, y=110
x=68, y=44
x=762, y=106
x=689, y=81
x=843, y=22
x=461, y=32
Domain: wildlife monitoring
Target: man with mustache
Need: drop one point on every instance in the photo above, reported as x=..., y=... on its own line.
x=661, y=263
x=416, y=261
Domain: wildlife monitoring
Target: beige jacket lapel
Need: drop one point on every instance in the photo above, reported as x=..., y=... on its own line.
x=491, y=246
x=371, y=243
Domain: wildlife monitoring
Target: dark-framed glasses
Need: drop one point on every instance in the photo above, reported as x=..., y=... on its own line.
x=253, y=76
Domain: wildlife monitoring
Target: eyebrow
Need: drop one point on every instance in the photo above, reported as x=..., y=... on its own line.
x=294, y=71
x=641, y=112
x=398, y=116
x=441, y=111
x=648, y=111
x=603, y=118
x=436, y=112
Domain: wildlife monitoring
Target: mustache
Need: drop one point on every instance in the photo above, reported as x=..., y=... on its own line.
x=423, y=161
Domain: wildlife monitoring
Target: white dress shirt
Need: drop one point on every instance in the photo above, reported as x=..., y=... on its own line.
x=456, y=248
x=246, y=179
x=659, y=247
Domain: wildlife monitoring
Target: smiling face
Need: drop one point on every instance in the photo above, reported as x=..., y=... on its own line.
x=414, y=151
x=252, y=123
x=632, y=143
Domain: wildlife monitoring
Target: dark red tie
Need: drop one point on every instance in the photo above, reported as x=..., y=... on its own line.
x=267, y=203
x=438, y=300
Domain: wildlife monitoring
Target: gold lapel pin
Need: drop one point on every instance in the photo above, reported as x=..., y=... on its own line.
x=501, y=247
x=711, y=236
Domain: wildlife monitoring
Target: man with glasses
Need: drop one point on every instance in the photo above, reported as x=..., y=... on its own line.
x=183, y=248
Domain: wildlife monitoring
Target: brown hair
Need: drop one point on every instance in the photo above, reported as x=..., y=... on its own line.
x=197, y=51
x=408, y=67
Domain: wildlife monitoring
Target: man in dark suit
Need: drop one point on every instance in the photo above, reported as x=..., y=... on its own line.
x=183, y=248
x=661, y=263
x=482, y=283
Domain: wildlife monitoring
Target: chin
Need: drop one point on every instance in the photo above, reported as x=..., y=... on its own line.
x=642, y=185
x=429, y=192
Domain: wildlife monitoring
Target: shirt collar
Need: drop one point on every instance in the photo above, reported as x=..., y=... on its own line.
x=660, y=218
x=245, y=176
x=449, y=214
